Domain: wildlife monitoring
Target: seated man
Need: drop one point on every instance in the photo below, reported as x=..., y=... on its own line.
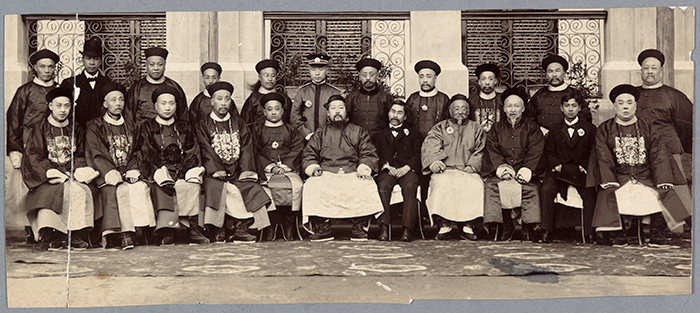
x=452, y=151
x=170, y=158
x=234, y=198
x=635, y=171
x=339, y=160
x=109, y=148
x=398, y=147
x=514, y=147
x=567, y=149
x=278, y=148
x=54, y=169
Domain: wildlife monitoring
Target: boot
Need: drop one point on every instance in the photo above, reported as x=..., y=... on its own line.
x=406, y=236
x=197, y=232
x=323, y=231
x=29, y=235
x=358, y=233
x=271, y=232
x=240, y=232
x=467, y=232
x=127, y=240
x=167, y=236
x=76, y=240
x=508, y=226
x=384, y=233
x=657, y=230
x=288, y=223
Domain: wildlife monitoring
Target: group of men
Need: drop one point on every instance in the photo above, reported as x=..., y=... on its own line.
x=124, y=168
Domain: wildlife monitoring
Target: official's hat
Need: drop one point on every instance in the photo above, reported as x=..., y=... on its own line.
x=43, y=54
x=334, y=98
x=164, y=89
x=624, y=88
x=273, y=96
x=517, y=91
x=60, y=92
x=427, y=64
x=111, y=86
x=651, y=53
x=488, y=67
x=368, y=62
x=212, y=65
x=267, y=63
x=555, y=59
x=218, y=86
x=157, y=51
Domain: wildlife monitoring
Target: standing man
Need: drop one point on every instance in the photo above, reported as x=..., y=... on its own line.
x=486, y=107
x=88, y=83
x=201, y=104
x=308, y=112
x=543, y=108
x=369, y=105
x=252, y=111
x=139, y=106
x=670, y=111
x=28, y=107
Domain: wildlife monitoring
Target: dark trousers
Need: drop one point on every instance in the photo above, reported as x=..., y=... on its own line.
x=409, y=187
x=548, y=192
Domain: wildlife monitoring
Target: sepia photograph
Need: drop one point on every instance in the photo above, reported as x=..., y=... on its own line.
x=352, y=156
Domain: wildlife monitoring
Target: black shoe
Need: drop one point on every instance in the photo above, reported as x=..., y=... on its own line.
x=288, y=226
x=197, y=235
x=240, y=232
x=658, y=239
x=357, y=233
x=127, y=241
x=544, y=236
x=467, y=236
x=443, y=236
x=620, y=239
x=406, y=235
x=76, y=243
x=168, y=236
x=323, y=232
x=508, y=229
x=57, y=245
x=384, y=234
x=29, y=235
x=270, y=232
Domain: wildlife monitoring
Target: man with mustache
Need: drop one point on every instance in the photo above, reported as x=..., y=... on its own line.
x=139, y=106
x=369, y=105
x=486, y=105
x=340, y=160
x=253, y=110
x=670, y=111
x=543, y=108
x=452, y=151
x=201, y=107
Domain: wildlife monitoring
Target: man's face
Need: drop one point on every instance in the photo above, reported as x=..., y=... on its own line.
x=397, y=114
x=487, y=81
x=652, y=72
x=221, y=102
x=625, y=106
x=459, y=109
x=209, y=77
x=427, y=79
x=60, y=108
x=336, y=110
x=92, y=64
x=368, y=78
x=155, y=67
x=268, y=78
x=114, y=103
x=273, y=111
x=555, y=74
x=514, y=107
x=165, y=106
x=318, y=73
x=44, y=69
x=570, y=108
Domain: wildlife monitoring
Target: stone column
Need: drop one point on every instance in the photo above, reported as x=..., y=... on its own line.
x=185, y=44
x=437, y=35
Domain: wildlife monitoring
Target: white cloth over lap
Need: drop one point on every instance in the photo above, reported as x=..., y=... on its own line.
x=135, y=206
x=187, y=198
x=637, y=200
x=340, y=196
x=77, y=201
x=511, y=194
x=456, y=196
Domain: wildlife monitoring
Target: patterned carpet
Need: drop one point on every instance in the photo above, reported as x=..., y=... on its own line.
x=346, y=258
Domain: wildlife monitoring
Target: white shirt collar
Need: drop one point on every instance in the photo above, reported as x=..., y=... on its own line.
x=657, y=85
x=217, y=119
x=397, y=126
x=88, y=75
x=429, y=93
x=206, y=93
x=558, y=88
x=40, y=82
x=627, y=123
x=572, y=122
x=484, y=96
x=275, y=124
x=155, y=82
x=56, y=123
x=264, y=91
x=112, y=121
x=161, y=121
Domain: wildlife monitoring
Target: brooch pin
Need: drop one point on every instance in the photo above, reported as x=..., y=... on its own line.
x=424, y=107
x=275, y=145
x=581, y=132
x=405, y=131
x=308, y=104
x=450, y=130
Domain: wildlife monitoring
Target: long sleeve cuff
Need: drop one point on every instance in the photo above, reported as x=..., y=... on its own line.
x=609, y=184
x=311, y=169
x=504, y=169
x=364, y=170
x=195, y=174
x=248, y=175
x=526, y=173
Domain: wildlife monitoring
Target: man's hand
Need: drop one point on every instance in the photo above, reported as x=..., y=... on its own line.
x=507, y=176
x=557, y=168
x=469, y=169
x=391, y=169
x=519, y=178
x=277, y=170
x=16, y=159
x=219, y=174
x=113, y=178
x=364, y=172
x=437, y=167
x=402, y=171
x=132, y=176
x=318, y=172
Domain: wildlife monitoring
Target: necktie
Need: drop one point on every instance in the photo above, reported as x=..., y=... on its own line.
x=92, y=79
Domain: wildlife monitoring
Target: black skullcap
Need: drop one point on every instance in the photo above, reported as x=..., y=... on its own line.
x=368, y=62
x=520, y=92
x=267, y=63
x=270, y=97
x=333, y=98
x=218, y=86
x=92, y=47
x=555, y=59
x=427, y=64
x=624, y=88
x=60, y=92
x=318, y=59
x=111, y=86
x=398, y=101
x=157, y=51
x=43, y=54
x=458, y=96
x=212, y=65
x=163, y=88
x=488, y=67
x=651, y=53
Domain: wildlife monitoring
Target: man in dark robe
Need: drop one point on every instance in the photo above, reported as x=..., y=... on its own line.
x=234, y=199
x=308, y=112
x=201, y=104
x=485, y=106
x=635, y=172
x=339, y=160
x=369, y=105
x=88, y=83
x=139, y=106
x=252, y=111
